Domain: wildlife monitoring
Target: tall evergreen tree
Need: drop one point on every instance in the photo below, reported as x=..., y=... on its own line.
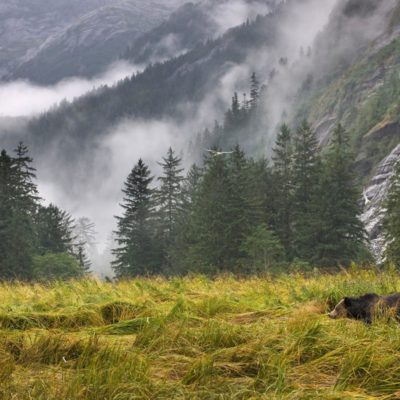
x=306, y=190
x=135, y=254
x=392, y=219
x=186, y=236
x=169, y=200
x=18, y=201
x=342, y=233
x=27, y=177
x=245, y=203
x=211, y=215
x=283, y=177
x=228, y=205
x=55, y=229
x=254, y=91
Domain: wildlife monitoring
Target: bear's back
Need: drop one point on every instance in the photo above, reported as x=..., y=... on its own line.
x=393, y=300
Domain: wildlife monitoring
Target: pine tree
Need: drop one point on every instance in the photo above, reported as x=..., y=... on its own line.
x=254, y=91
x=169, y=200
x=227, y=206
x=306, y=189
x=233, y=116
x=282, y=170
x=262, y=248
x=27, y=174
x=341, y=232
x=211, y=215
x=55, y=229
x=392, y=219
x=85, y=242
x=135, y=254
x=245, y=202
x=186, y=235
x=18, y=201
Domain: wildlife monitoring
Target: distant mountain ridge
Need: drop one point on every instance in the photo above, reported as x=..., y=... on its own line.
x=76, y=39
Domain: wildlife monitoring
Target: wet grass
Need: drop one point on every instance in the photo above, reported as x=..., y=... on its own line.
x=196, y=338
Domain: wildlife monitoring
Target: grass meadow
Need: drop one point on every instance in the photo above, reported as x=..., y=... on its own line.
x=197, y=338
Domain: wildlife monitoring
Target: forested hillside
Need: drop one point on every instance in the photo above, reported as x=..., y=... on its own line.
x=332, y=64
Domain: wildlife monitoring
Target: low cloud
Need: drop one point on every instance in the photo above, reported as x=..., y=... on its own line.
x=228, y=14
x=24, y=99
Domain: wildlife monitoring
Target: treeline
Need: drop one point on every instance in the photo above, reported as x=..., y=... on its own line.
x=242, y=215
x=36, y=241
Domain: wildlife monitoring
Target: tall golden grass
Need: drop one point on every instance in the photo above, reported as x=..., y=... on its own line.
x=197, y=338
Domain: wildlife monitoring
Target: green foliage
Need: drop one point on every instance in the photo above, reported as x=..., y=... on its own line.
x=227, y=338
x=135, y=235
x=392, y=220
x=283, y=182
x=52, y=266
x=307, y=170
x=263, y=249
x=227, y=204
x=169, y=202
x=341, y=234
x=34, y=239
x=55, y=230
x=18, y=204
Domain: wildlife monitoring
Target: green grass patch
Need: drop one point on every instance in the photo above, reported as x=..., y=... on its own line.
x=194, y=338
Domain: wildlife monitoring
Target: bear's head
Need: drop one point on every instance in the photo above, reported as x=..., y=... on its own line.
x=356, y=307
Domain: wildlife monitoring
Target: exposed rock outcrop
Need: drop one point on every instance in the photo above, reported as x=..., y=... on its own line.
x=374, y=198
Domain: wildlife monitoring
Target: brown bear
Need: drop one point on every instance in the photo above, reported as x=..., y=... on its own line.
x=364, y=308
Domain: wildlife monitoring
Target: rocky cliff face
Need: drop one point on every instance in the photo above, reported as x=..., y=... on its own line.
x=374, y=198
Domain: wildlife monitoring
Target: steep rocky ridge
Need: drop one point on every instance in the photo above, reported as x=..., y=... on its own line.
x=46, y=41
x=374, y=198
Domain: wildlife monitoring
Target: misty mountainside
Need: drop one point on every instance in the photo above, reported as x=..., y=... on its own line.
x=362, y=94
x=192, y=24
x=85, y=42
x=27, y=24
x=332, y=84
x=173, y=89
x=330, y=62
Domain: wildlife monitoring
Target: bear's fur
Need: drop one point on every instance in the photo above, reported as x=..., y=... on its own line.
x=366, y=307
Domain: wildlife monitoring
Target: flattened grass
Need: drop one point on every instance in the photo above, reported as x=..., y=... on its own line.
x=196, y=338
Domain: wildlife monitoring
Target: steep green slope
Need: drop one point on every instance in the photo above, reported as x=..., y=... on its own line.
x=366, y=99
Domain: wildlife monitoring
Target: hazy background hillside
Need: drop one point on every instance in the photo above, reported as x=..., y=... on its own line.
x=46, y=41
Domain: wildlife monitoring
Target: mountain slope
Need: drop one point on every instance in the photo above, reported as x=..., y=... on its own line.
x=95, y=40
x=191, y=24
x=364, y=97
x=26, y=24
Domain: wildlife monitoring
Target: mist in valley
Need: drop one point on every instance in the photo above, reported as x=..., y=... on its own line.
x=92, y=186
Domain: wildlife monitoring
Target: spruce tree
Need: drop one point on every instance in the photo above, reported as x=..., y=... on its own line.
x=211, y=216
x=254, y=91
x=169, y=201
x=27, y=175
x=282, y=171
x=306, y=190
x=186, y=236
x=18, y=201
x=135, y=254
x=245, y=202
x=392, y=219
x=341, y=232
x=228, y=205
x=55, y=229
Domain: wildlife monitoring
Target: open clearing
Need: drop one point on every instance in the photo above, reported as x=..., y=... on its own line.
x=196, y=338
